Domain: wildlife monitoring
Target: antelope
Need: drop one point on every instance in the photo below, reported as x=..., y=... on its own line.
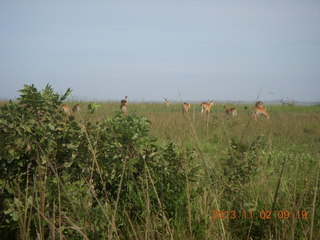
x=230, y=111
x=260, y=109
x=66, y=109
x=206, y=107
x=166, y=102
x=185, y=107
x=76, y=108
x=123, y=105
x=259, y=104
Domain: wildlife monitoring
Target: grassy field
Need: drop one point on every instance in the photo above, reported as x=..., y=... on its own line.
x=291, y=129
x=286, y=158
x=252, y=179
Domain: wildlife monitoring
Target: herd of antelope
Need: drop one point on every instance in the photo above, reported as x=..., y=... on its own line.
x=258, y=109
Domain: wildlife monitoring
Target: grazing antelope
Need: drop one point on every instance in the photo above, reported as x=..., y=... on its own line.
x=76, y=108
x=260, y=109
x=230, y=111
x=166, y=102
x=66, y=109
x=206, y=107
x=185, y=107
x=123, y=105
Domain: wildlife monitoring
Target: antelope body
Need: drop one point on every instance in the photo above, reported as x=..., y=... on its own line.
x=206, y=107
x=123, y=105
x=166, y=102
x=66, y=109
x=76, y=108
x=185, y=107
x=230, y=111
x=260, y=109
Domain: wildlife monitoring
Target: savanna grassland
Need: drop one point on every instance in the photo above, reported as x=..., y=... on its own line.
x=155, y=173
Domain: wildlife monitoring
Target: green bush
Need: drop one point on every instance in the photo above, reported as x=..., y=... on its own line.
x=241, y=166
x=76, y=179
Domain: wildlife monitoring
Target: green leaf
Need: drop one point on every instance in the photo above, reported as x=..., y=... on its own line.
x=15, y=216
x=51, y=126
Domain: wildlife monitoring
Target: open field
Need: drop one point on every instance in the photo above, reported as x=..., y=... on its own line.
x=181, y=177
x=292, y=129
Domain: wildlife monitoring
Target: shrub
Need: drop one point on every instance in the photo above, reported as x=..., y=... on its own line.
x=76, y=179
x=241, y=166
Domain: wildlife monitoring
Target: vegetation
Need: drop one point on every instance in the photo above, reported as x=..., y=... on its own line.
x=155, y=173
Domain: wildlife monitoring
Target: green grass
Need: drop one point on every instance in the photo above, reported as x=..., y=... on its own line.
x=290, y=129
x=245, y=165
x=292, y=133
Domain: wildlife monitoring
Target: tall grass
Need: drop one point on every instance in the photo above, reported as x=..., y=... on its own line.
x=292, y=134
x=246, y=166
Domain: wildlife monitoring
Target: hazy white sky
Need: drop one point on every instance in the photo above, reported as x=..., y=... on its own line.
x=200, y=49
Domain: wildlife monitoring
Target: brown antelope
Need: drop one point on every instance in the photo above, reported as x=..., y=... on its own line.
x=230, y=111
x=259, y=104
x=206, y=107
x=185, y=107
x=66, y=109
x=123, y=105
x=166, y=102
x=260, y=109
x=76, y=108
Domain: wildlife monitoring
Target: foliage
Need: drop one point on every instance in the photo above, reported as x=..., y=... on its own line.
x=51, y=166
x=92, y=107
x=240, y=169
x=242, y=161
x=94, y=178
x=32, y=131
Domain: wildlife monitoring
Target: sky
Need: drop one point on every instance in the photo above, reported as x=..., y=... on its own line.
x=191, y=50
